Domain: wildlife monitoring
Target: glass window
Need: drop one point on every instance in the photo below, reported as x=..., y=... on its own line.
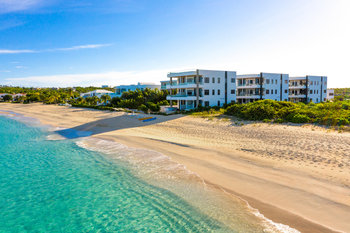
x=233, y=91
x=213, y=80
x=267, y=81
x=218, y=91
x=213, y=92
x=206, y=80
x=206, y=92
x=219, y=103
x=206, y=103
x=267, y=91
x=233, y=80
x=218, y=80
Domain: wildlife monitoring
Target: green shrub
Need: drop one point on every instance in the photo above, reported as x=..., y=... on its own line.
x=299, y=118
x=143, y=108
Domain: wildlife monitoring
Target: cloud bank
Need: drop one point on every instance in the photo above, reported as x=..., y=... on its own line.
x=93, y=79
x=78, y=47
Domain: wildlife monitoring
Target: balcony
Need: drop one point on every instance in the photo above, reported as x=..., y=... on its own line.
x=248, y=95
x=183, y=96
x=191, y=84
x=297, y=87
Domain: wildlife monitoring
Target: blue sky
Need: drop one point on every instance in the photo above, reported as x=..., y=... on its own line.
x=71, y=43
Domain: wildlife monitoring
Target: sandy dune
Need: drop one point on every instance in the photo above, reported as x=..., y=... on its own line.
x=299, y=176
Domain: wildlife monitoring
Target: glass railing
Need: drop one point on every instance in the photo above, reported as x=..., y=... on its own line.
x=248, y=84
x=186, y=83
x=248, y=94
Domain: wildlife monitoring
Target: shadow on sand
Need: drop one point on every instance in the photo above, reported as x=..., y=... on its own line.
x=111, y=124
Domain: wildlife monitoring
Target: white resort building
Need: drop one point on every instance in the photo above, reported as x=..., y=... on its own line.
x=201, y=87
x=308, y=89
x=195, y=88
x=133, y=87
x=252, y=87
x=98, y=93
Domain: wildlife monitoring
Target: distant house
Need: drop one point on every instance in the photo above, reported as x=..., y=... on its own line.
x=330, y=94
x=98, y=93
x=14, y=96
x=3, y=94
x=140, y=86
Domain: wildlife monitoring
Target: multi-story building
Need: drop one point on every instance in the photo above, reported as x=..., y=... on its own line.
x=202, y=87
x=215, y=88
x=141, y=86
x=252, y=87
x=308, y=89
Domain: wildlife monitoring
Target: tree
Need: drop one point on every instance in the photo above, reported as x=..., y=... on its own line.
x=105, y=98
x=7, y=98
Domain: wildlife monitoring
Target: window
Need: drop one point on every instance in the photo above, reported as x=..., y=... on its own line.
x=213, y=92
x=218, y=91
x=276, y=91
x=286, y=91
x=286, y=81
x=206, y=92
x=267, y=81
x=271, y=81
x=218, y=80
x=219, y=103
x=310, y=91
x=325, y=91
x=206, y=103
x=213, y=80
x=233, y=91
x=233, y=80
x=324, y=99
x=267, y=91
x=316, y=100
x=206, y=80
x=317, y=91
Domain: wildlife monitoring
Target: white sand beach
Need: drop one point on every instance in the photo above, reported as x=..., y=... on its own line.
x=295, y=175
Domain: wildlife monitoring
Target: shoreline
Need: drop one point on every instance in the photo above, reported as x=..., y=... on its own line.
x=219, y=163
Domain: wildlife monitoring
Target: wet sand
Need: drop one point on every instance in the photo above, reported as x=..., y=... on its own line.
x=295, y=175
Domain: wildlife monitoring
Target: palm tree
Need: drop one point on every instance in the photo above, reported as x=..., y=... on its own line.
x=105, y=98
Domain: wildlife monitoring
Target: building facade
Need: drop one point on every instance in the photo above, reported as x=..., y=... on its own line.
x=308, y=89
x=140, y=86
x=252, y=87
x=201, y=88
x=98, y=93
x=215, y=88
x=330, y=94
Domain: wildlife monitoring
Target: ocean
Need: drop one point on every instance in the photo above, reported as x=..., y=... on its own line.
x=52, y=184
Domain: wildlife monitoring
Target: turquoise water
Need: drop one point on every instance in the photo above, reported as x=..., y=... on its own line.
x=57, y=186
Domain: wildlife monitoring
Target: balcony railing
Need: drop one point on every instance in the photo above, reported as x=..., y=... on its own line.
x=248, y=84
x=186, y=83
x=248, y=94
x=185, y=95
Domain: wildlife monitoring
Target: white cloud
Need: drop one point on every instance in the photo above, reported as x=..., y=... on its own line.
x=7, y=6
x=93, y=79
x=8, y=51
x=78, y=47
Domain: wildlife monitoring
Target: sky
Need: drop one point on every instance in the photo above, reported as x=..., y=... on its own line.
x=61, y=43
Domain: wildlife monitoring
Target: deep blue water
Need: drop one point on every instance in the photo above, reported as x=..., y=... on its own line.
x=57, y=186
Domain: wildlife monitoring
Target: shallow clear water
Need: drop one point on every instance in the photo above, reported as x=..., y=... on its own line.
x=56, y=186
x=50, y=185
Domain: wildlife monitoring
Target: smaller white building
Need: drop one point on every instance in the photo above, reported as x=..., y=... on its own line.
x=133, y=87
x=98, y=93
x=330, y=94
